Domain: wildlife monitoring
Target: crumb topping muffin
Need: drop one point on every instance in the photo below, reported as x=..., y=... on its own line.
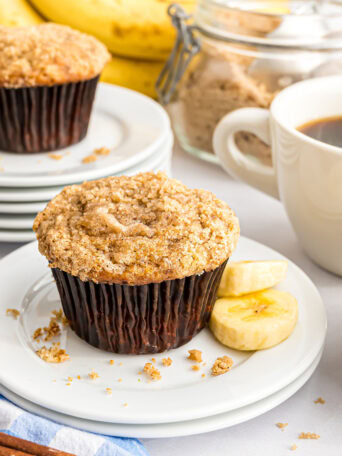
x=136, y=230
x=48, y=54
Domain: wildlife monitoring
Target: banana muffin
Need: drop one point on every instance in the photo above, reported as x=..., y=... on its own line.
x=137, y=260
x=48, y=77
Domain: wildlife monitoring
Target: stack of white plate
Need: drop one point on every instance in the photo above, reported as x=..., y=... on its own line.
x=133, y=127
x=184, y=401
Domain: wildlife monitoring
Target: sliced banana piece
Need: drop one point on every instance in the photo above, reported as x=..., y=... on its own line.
x=242, y=277
x=255, y=321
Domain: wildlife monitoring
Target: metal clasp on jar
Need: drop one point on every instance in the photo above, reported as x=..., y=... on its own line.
x=185, y=47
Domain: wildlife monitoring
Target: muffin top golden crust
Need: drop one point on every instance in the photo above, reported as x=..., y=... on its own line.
x=48, y=54
x=136, y=230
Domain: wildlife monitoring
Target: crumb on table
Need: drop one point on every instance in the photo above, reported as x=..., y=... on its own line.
x=308, y=436
x=152, y=371
x=282, y=426
x=93, y=375
x=54, y=354
x=203, y=375
x=319, y=400
x=293, y=447
x=221, y=365
x=89, y=158
x=111, y=362
x=195, y=355
x=195, y=367
x=167, y=361
x=13, y=313
x=109, y=391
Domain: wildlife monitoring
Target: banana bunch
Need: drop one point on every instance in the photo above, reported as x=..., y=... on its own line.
x=130, y=28
x=18, y=13
x=248, y=315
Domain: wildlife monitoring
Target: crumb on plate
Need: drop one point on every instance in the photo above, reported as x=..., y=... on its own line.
x=37, y=334
x=221, y=365
x=93, y=375
x=12, y=313
x=195, y=355
x=55, y=156
x=89, y=158
x=109, y=391
x=293, y=447
x=54, y=354
x=319, y=400
x=195, y=367
x=111, y=362
x=152, y=371
x=167, y=361
x=102, y=151
x=203, y=375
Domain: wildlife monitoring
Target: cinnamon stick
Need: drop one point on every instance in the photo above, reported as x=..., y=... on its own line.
x=13, y=446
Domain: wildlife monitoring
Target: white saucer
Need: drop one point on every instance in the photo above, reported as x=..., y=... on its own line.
x=160, y=160
x=180, y=429
x=180, y=387
x=17, y=222
x=132, y=125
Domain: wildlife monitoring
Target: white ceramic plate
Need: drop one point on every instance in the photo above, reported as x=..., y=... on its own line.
x=176, y=396
x=22, y=208
x=132, y=125
x=180, y=429
x=17, y=235
x=16, y=222
x=156, y=161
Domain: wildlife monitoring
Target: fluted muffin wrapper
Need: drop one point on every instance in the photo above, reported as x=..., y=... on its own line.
x=45, y=118
x=138, y=319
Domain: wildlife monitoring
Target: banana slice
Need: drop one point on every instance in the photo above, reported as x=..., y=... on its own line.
x=244, y=277
x=255, y=321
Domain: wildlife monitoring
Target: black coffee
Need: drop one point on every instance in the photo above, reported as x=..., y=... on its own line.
x=327, y=130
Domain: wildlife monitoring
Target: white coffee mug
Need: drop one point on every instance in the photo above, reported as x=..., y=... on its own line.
x=306, y=174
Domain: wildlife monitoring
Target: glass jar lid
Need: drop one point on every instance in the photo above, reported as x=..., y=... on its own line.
x=309, y=24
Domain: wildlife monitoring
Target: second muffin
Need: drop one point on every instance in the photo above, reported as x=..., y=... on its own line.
x=137, y=260
x=48, y=77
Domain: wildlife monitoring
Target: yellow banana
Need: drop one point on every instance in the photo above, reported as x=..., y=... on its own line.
x=244, y=277
x=135, y=74
x=18, y=13
x=255, y=321
x=132, y=28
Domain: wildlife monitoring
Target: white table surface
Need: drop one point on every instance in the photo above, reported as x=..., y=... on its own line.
x=264, y=220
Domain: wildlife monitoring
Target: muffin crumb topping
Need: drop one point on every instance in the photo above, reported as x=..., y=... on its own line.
x=48, y=54
x=136, y=230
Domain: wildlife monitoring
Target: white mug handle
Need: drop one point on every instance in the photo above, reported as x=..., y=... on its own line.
x=253, y=120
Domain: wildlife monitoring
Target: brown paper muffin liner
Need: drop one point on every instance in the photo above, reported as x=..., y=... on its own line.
x=45, y=118
x=138, y=319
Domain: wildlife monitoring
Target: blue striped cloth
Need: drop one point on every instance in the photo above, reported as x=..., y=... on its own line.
x=17, y=422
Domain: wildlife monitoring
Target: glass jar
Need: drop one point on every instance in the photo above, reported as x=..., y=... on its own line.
x=241, y=53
